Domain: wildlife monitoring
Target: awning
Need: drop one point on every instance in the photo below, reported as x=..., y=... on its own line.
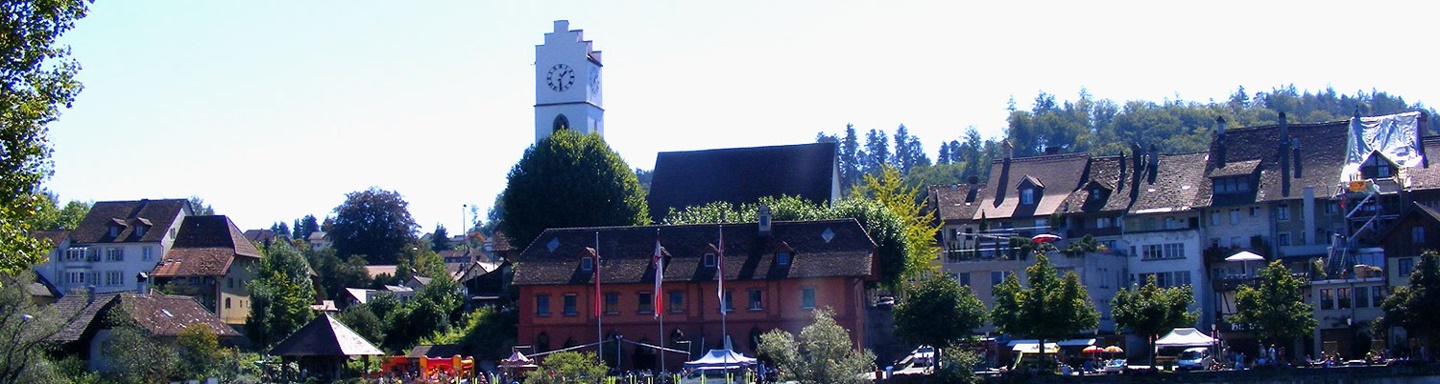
x=1185, y=337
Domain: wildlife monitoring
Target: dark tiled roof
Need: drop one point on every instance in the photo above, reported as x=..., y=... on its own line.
x=957, y=202
x=205, y=246
x=742, y=175
x=1060, y=174
x=446, y=350
x=55, y=237
x=325, y=336
x=1427, y=174
x=160, y=214
x=1175, y=184
x=1105, y=172
x=1321, y=156
x=262, y=236
x=626, y=253
x=157, y=314
x=1237, y=168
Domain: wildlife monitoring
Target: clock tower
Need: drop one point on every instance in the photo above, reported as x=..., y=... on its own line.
x=567, y=84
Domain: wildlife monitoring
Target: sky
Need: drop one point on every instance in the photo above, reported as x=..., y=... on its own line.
x=273, y=110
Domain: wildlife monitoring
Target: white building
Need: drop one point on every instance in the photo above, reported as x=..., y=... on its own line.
x=567, y=84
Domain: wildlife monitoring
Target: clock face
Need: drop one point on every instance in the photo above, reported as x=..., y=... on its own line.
x=560, y=78
x=594, y=81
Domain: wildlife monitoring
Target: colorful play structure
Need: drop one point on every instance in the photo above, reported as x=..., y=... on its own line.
x=427, y=369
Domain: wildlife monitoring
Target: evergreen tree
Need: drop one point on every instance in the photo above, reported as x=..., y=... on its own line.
x=566, y=180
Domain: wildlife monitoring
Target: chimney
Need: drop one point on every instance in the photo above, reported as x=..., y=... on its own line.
x=1007, y=149
x=1154, y=162
x=1284, y=143
x=1295, y=154
x=1220, y=142
x=1122, y=180
x=141, y=280
x=764, y=217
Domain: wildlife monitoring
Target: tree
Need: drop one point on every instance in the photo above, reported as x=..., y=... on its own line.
x=135, y=357
x=1051, y=308
x=25, y=330
x=37, y=77
x=1415, y=306
x=336, y=274
x=280, y=297
x=877, y=151
x=281, y=229
x=306, y=226
x=200, y=354
x=199, y=208
x=570, y=179
x=1276, y=310
x=823, y=354
x=919, y=225
x=568, y=367
x=486, y=333
x=440, y=239
x=937, y=311
x=1150, y=310
x=375, y=223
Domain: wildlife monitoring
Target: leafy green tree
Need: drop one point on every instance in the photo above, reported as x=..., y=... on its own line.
x=570, y=179
x=375, y=223
x=306, y=226
x=440, y=239
x=1276, y=310
x=823, y=354
x=199, y=208
x=24, y=332
x=568, y=367
x=1050, y=308
x=37, y=77
x=361, y=319
x=280, y=297
x=135, y=357
x=937, y=311
x=1150, y=310
x=336, y=274
x=200, y=354
x=1416, y=305
x=281, y=229
x=486, y=333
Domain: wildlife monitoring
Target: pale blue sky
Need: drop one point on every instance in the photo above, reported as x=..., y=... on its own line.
x=271, y=110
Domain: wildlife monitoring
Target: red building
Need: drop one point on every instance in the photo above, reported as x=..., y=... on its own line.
x=774, y=275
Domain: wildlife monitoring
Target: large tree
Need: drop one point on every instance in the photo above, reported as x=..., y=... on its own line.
x=1416, y=305
x=918, y=223
x=1276, y=310
x=25, y=330
x=937, y=311
x=1150, y=310
x=280, y=297
x=566, y=180
x=1050, y=308
x=823, y=354
x=37, y=78
x=375, y=223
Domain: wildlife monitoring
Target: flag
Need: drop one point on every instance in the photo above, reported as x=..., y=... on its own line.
x=659, y=273
x=720, y=267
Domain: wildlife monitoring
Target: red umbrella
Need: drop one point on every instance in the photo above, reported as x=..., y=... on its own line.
x=1093, y=350
x=1045, y=238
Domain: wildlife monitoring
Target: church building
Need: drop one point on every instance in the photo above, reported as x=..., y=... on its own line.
x=567, y=84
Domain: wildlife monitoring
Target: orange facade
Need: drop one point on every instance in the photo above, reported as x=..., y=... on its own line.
x=558, y=316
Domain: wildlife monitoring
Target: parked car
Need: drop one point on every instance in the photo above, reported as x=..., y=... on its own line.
x=923, y=356
x=1197, y=358
x=1116, y=366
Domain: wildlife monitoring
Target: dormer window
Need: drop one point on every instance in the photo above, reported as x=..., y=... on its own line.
x=1233, y=184
x=114, y=231
x=587, y=264
x=709, y=260
x=1097, y=193
x=1377, y=167
x=1027, y=196
x=782, y=258
x=140, y=230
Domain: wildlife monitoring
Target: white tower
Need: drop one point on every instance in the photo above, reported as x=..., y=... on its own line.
x=567, y=84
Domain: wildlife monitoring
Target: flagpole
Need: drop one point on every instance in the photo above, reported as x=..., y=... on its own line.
x=724, y=332
x=599, y=321
x=659, y=277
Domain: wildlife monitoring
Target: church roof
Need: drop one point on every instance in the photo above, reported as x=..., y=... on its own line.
x=743, y=175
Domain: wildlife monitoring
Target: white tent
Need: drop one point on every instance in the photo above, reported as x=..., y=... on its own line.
x=1032, y=346
x=720, y=359
x=1185, y=337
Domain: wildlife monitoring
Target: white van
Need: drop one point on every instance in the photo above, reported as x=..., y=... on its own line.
x=1197, y=358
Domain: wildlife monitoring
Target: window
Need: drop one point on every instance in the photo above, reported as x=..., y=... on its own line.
x=1234, y=184
x=646, y=302
x=93, y=254
x=114, y=231
x=1283, y=239
x=542, y=305
x=710, y=260
x=1375, y=167
x=229, y=282
x=964, y=279
x=807, y=298
x=1282, y=213
x=1407, y=264
x=1214, y=218
x=1332, y=207
x=1175, y=251
x=1027, y=196
x=757, y=300
x=140, y=230
x=569, y=304
x=1377, y=295
x=677, y=301
x=587, y=264
x=1343, y=294
x=75, y=254
x=227, y=303
x=782, y=258
x=996, y=277
x=1102, y=223
x=115, y=254
x=1327, y=299
x=1362, y=297
x=114, y=278
x=1152, y=251
x=1235, y=216
x=612, y=303
x=1254, y=212
x=1417, y=235
x=726, y=304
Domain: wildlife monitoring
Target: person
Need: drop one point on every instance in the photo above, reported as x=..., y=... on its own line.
x=1270, y=354
x=1064, y=369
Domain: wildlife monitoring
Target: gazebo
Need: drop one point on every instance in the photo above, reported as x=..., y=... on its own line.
x=322, y=347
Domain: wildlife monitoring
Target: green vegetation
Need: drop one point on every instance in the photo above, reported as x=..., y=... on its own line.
x=823, y=354
x=374, y=223
x=1277, y=309
x=568, y=368
x=570, y=180
x=1415, y=306
x=1051, y=308
x=1150, y=310
x=280, y=297
x=935, y=310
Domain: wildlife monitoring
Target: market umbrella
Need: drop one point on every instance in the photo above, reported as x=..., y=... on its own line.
x=1245, y=257
x=1114, y=349
x=1093, y=350
x=1045, y=238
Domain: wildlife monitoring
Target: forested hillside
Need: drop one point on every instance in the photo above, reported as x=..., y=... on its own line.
x=1101, y=127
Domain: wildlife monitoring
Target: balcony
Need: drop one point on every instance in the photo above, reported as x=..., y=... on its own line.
x=1093, y=232
x=1304, y=250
